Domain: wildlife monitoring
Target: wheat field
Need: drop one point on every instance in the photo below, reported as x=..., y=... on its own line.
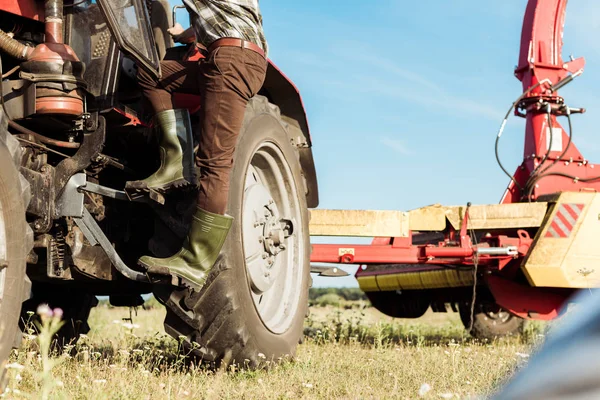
x=349, y=352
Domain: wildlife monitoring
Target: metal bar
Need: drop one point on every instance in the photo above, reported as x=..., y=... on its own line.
x=89, y=223
x=328, y=271
x=460, y=252
x=497, y=251
x=109, y=192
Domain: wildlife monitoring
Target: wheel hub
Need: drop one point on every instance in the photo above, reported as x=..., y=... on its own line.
x=266, y=233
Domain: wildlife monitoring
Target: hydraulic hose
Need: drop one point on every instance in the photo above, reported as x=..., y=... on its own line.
x=42, y=138
x=13, y=47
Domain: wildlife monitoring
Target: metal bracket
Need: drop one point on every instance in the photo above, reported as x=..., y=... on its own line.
x=70, y=202
x=90, y=148
x=93, y=233
x=328, y=271
x=109, y=192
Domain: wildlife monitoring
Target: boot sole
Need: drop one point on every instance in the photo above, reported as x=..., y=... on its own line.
x=176, y=280
x=177, y=184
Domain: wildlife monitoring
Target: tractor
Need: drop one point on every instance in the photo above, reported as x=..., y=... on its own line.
x=74, y=129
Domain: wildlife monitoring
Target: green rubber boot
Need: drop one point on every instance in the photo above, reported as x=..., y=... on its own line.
x=200, y=250
x=176, y=147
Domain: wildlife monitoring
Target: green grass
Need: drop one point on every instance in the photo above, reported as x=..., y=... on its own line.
x=348, y=353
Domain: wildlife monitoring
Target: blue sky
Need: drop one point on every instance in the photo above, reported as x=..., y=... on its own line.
x=404, y=102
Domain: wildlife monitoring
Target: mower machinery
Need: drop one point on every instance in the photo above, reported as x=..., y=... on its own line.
x=74, y=129
x=497, y=265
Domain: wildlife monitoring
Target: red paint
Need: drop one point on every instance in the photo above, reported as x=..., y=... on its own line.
x=564, y=221
x=32, y=9
x=133, y=120
x=540, y=59
x=526, y=301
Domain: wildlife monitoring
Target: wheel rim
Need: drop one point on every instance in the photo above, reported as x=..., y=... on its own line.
x=499, y=317
x=3, y=246
x=272, y=240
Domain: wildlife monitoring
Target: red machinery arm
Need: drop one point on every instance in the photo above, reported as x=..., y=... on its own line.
x=540, y=61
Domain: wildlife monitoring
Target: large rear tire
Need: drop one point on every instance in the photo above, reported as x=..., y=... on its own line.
x=16, y=240
x=253, y=305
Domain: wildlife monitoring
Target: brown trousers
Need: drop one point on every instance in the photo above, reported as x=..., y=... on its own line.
x=226, y=80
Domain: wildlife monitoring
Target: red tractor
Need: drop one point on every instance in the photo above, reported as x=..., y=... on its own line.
x=73, y=130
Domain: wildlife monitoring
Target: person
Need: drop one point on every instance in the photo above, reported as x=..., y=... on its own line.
x=566, y=365
x=231, y=74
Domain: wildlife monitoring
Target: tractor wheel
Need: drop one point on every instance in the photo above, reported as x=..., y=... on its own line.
x=490, y=322
x=253, y=305
x=75, y=304
x=407, y=304
x=16, y=240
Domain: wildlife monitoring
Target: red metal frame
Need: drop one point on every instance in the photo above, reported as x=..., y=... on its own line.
x=540, y=68
x=32, y=9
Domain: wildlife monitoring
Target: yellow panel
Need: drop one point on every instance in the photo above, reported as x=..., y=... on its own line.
x=572, y=262
x=499, y=216
x=359, y=223
x=387, y=282
x=365, y=223
x=434, y=279
x=368, y=283
x=430, y=218
x=409, y=281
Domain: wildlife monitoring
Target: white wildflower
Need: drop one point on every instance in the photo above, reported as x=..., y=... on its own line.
x=44, y=310
x=100, y=381
x=446, y=395
x=18, y=378
x=522, y=355
x=16, y=366
x=424, y=389
x=261, y=355
x=307, y=385
x=60, y=384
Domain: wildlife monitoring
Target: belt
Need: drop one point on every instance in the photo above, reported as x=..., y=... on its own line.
x=231, y=42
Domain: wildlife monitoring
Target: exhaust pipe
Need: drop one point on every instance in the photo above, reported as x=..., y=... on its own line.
x=53, y=20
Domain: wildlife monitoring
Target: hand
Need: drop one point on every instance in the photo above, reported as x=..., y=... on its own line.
x=176, y=31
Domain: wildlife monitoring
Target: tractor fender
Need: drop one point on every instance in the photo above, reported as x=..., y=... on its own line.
x=282, y=92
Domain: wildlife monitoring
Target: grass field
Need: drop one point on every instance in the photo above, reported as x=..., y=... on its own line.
x=356, y=353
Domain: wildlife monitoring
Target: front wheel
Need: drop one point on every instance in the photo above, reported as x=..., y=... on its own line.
x=15, y=243
x=253, y=305
x=490, y=321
